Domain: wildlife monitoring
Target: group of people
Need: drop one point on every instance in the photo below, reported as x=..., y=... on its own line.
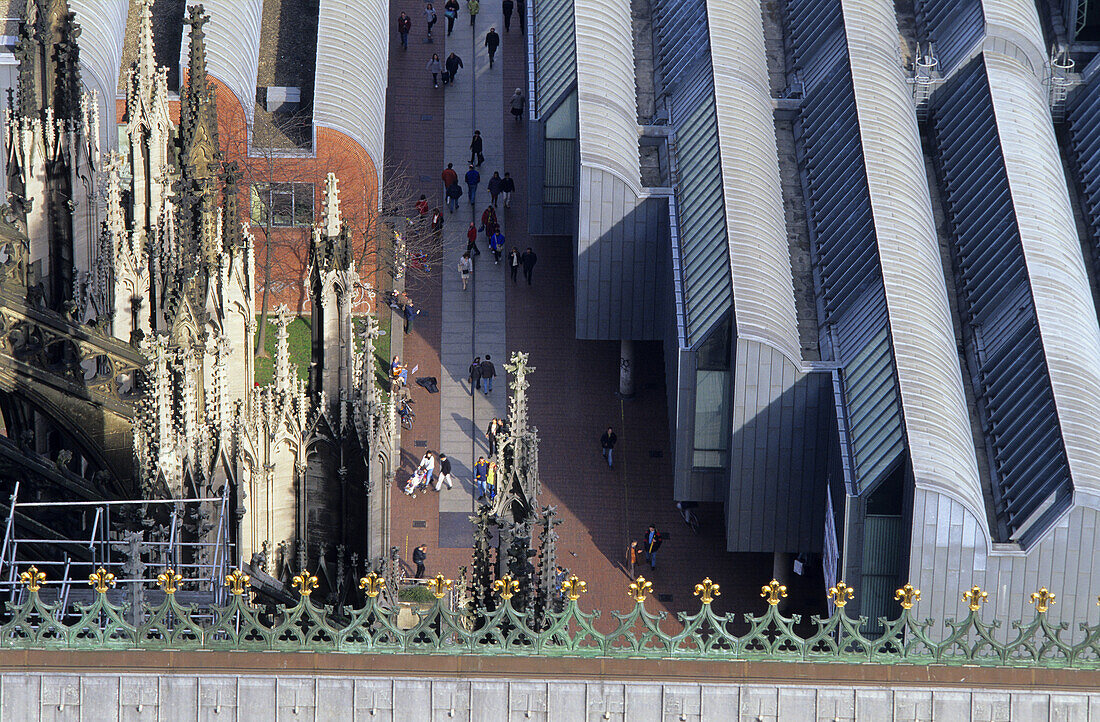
x=421, y=479
x=645, y=549
x=451, y=9
x=481, y=374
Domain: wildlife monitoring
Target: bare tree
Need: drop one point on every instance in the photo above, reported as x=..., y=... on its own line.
x=280, y=179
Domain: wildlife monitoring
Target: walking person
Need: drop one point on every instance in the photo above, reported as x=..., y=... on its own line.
x=465, y=266
x=494, y=187
x=471, y=241
x=517, y=104
x=496, y=244
x=634, y=555
x=450, y=11
x=445, y=475
x=488, y=372
x=491, y=479
x=507, y=188
x=430, y=18
x=452, y=65
x=472, y=7
x=404, y=25
x=513, y=263
x=475, y=375
x=420, y=555
x=521, y=11
x=449, y=176
x=496, y=427
x=506, y=8
x=427, y=466
x=492, y=42
x=422, y=205
x=435, y=67
x=528, y=259
x=453, y=193
x=652, y=544
x=476, y=146
x=488, y=220
x=472, y=179
x=481, y=476
x=607, y=443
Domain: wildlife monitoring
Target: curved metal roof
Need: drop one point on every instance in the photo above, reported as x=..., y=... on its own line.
x=930, y=380
x=763, y=289
x=606, y=105
x=102, y=32
x=352, y=69
x=1059, y=283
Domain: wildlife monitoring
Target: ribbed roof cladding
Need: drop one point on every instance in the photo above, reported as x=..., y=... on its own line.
x=351, y=77
x=1029, y=461
x=555, y=53
x=1084, y=128
x=953, y=26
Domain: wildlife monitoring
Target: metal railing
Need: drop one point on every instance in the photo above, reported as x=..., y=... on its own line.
x=555, y=627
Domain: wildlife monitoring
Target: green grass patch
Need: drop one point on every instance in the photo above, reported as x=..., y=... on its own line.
x=416, y=593
x=299, y=343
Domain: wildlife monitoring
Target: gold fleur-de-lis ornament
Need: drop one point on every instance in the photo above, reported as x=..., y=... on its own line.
x=907, y=595
x=707, y=590
x=639, y=588
x=237, y=581
x=506, y=587
x=773, y=591
x=34, y=579
x=372, y=584
x=974, y=597
x=439, y=586
x=102, y=580
x=574, y=587
x=169, y=580
x=305, y=583
x=841, y=594
x=1042, y=599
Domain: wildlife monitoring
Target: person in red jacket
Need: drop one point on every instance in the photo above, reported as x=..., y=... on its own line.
x=450, y=176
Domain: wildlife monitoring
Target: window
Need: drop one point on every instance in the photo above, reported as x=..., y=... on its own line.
x=561, y=153
x=290, y=204
x=712, y=399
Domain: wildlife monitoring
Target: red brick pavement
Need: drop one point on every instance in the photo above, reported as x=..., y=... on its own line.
x=572, y=399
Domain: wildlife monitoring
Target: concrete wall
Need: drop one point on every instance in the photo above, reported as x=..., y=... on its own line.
x=113, y=696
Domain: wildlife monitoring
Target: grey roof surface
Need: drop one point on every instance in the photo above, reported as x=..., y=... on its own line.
x=1029, y=461
x=953, y=26
x=1084, y=129
x=555, y=53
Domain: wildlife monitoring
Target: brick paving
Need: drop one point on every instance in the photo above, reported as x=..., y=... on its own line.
x=573, y=391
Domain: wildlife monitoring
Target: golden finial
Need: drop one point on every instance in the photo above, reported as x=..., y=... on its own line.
x=34, y=579
x=707, y=591
x=439, y=586
x=907, y=595
x=574, y=587
x=1042, y=599
x=373, y=584
x=101, y=580
x=639, y=588
x=305, y=583
x=975, y=597
x=506, y=587
x=169, y=580
x=841, y=594
x=773, y=591
x=237, y=581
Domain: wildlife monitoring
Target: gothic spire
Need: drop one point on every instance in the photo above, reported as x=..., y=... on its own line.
x=231, y=229
x=198, y=108
x=49, y=61
x=145, y=67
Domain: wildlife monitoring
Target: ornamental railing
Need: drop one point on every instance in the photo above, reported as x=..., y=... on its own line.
x=566, y=631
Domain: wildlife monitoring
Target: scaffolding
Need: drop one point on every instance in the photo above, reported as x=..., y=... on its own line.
x=201, y=560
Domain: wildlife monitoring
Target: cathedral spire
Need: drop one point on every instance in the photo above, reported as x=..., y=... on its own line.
x=49, y=61
x=145, y=67
x=198, y=109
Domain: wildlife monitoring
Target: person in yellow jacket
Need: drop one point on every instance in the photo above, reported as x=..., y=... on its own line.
x=472, y=7
x=491, y=482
